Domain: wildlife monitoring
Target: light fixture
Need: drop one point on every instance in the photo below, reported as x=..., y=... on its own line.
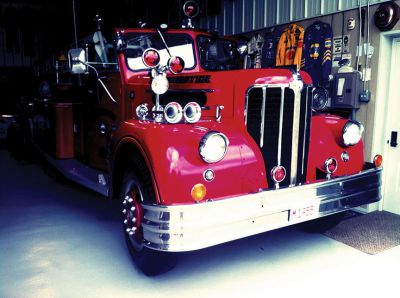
x=213, y=147
x=173, y=112
x=278, y=174
x=352, y=132
x=192, y=112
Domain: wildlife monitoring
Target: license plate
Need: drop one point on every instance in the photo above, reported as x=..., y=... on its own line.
x=305, y=212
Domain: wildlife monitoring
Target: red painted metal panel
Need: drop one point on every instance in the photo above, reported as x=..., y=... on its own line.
x=172, y=152
x=326, y=142
x=64, y=130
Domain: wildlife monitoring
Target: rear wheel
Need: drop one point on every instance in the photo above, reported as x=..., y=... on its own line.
x=135, y=193
x=323, y=224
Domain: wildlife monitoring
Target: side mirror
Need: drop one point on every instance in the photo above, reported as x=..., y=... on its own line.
x=77, y=60
x=119, y=42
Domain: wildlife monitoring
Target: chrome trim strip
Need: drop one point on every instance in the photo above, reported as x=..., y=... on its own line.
x=281, y=126
x=195, y=226
x=270, y=86
x=246, y=107
x=295, y=136
x=192, y=90
x=304, y=132
x=264, y=99
x=259, y=86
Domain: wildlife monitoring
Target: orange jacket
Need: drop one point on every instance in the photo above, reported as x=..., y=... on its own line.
x=290, y=46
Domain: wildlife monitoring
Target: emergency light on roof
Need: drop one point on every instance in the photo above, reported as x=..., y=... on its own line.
x=191, y=9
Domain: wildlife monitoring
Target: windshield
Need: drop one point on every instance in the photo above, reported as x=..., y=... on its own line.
x=217, y=53
x=178, y=44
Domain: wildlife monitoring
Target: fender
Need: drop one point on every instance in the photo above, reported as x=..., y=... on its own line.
x=326, y=142
x=171, y=153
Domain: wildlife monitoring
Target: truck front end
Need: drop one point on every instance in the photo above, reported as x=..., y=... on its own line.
x=273, y=163
x=227, y=152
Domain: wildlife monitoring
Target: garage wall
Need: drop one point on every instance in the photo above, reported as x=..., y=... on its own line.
x=238, y=16
x=312, y=9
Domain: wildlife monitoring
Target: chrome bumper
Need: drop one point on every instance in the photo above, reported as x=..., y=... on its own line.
x=195, y=226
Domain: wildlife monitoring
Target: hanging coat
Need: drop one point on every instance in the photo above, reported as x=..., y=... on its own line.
x=290, y=46
x=268, y=51
x=317, y=52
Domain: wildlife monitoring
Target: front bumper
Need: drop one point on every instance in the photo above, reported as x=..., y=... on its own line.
x=195, y=226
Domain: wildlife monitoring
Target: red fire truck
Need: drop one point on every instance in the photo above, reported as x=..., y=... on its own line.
x=197, y=150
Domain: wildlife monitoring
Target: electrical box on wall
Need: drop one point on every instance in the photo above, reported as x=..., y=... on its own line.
x=347, y=87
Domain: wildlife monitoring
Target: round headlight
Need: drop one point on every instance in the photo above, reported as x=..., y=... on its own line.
x=352, y=132
x=213, y=147
x=192, y=112
x=173, y=112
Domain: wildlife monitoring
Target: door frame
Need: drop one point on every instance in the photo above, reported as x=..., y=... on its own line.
x=382, y=100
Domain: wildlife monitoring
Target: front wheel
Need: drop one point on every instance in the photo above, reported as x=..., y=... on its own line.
x=134, y=194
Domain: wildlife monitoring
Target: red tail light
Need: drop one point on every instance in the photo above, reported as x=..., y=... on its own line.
x=278, y=174
x=330, y=165
x=151, y=58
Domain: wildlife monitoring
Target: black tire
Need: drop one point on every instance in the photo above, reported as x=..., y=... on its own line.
x=134, y=192
x=320, y=225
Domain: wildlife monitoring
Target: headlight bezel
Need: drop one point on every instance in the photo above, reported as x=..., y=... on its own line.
x=319, y=99
x=195, y=109
x=173, y=112
x=205, y=143
x=347, y=138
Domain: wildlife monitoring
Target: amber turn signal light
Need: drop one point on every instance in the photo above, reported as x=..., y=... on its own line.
x=378, y=159
x=198, y=192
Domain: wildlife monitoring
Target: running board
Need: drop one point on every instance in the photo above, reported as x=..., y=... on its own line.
x=80, y=173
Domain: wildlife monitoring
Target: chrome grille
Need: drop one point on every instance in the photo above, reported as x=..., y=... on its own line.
x=278, y=119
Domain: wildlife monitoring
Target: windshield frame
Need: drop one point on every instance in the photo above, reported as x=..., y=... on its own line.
x=167, y=36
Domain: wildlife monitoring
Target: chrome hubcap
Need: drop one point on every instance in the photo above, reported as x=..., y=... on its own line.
x=132, y=215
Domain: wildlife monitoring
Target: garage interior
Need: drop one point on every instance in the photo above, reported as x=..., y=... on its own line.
x=58, y=239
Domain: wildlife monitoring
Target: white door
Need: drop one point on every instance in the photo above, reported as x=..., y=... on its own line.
x=391, y=157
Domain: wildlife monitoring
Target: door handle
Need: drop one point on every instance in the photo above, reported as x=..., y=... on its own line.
x=393, y=139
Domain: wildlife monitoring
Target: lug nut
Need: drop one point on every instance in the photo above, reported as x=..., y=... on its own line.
x=130, y=200
x=131, y=233
x=124, y=211
x=126, y=221
x=128, y=230
x=134, y=219
x=133, y=208
x=124, y=202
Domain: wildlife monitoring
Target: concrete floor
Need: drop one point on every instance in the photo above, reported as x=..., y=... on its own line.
x=60, y=240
